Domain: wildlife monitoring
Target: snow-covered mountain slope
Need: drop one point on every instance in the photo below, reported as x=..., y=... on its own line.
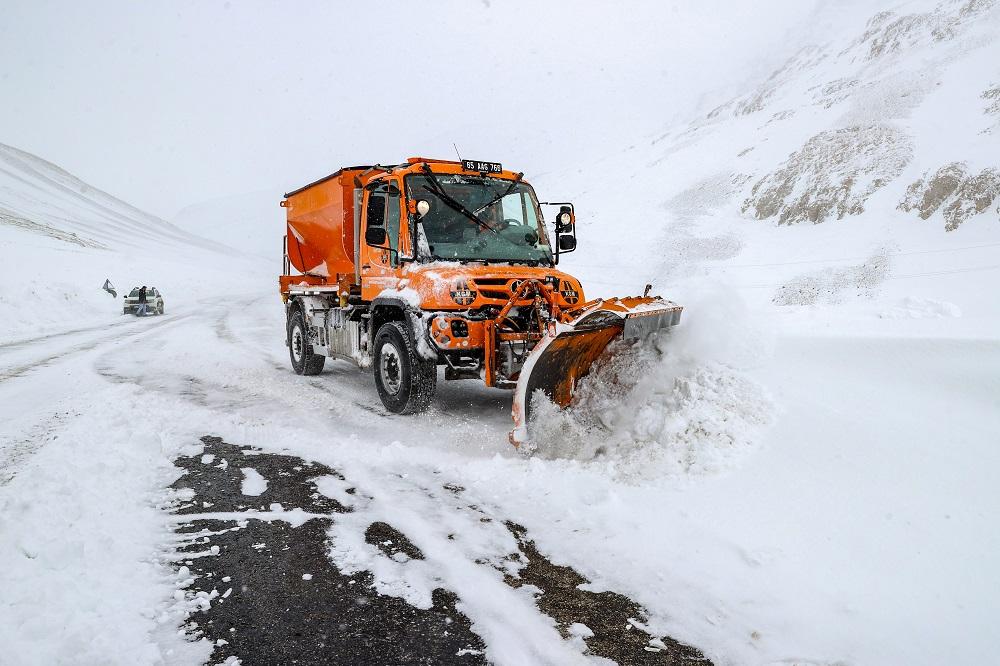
x=902, y=100
x=883, y=134
x=40, y=197
x=61, y=239
x=251, y=222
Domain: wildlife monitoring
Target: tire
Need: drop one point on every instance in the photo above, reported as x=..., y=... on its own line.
x=300, y=352
x=160, y=308
x=406, y=382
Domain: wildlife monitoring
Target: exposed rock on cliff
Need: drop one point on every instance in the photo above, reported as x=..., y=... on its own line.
x=951, y=189
x=832, y=175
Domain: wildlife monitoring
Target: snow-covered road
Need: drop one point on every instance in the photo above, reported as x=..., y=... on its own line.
x=803, y=546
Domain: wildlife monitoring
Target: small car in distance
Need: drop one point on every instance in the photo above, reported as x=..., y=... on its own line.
x=154, y=301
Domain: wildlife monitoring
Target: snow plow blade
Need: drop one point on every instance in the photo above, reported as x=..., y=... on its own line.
x=566, y=353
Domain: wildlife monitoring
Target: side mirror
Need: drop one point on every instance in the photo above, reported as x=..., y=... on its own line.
x=565, y=240
x=375, y=236
x=567, y=243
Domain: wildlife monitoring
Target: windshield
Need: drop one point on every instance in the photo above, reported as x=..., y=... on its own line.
x=472, y=217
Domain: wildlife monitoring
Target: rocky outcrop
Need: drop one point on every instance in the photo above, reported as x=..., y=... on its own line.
x=992, y=108
x=20, y=222
x=927, y=194
x=803, y=60
x=831, y=176
x=888, y=32
x=833, y=92
x=992, y=97
x=951, y=189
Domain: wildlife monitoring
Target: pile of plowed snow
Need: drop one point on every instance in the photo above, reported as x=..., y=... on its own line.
x=677, y=404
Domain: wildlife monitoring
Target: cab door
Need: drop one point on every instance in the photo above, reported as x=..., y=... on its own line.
x=380, y=264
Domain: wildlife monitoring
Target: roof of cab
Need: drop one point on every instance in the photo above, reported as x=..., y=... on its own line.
x=412, y=165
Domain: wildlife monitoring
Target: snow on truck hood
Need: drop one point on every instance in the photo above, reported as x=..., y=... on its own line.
x=423, y=283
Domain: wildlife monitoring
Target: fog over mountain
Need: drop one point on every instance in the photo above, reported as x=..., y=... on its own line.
x=174, y=103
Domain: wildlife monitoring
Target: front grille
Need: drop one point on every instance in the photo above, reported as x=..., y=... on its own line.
x=499, y=288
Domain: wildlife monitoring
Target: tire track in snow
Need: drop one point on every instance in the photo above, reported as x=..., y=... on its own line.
x=18, y=449
x=48, y=358
x=15, y=452
x=231, y=369
x=16, y=344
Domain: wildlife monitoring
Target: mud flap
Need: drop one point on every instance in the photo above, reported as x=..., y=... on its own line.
x=567, y=352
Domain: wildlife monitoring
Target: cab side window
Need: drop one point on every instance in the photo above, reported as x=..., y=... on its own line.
x=383, y=211
x=376, y=208
x=392, y=221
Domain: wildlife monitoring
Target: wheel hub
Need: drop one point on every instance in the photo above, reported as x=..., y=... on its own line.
x=389, y=369
x=297, y=343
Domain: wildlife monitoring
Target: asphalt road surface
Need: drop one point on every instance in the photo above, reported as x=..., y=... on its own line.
x=276, y=596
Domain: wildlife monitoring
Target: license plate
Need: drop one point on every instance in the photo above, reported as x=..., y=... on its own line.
x=481, y=167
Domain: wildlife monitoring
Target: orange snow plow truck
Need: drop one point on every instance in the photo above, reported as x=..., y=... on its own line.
x=432, y=263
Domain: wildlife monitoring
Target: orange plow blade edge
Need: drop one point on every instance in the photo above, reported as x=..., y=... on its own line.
x=567, y=352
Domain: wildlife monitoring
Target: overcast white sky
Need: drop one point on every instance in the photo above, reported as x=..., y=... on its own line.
x=166, y=104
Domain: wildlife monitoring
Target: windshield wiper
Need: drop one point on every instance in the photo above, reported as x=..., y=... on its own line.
x=454, y=203
x=510, y=189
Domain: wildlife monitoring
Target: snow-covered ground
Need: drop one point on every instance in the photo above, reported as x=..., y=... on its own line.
x=801, y=473
x=855, y=528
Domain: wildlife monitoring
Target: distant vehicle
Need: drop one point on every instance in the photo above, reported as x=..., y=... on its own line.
x=154, y=301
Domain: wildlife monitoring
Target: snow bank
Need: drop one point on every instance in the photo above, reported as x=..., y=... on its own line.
x=33, y=308
x=913, y=307
x=85, y=548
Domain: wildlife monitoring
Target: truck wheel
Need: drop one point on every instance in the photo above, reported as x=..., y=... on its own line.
x=300, y=351
x=405, y=381
x=159, y=309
